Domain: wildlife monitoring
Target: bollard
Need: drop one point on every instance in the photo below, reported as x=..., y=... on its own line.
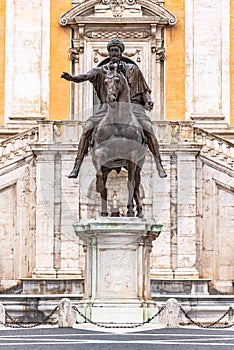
x=170, y=316
x=66, y=314
x=230, y=314
x=2, y=315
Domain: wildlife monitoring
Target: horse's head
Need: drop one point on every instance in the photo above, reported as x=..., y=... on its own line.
x=115, y=83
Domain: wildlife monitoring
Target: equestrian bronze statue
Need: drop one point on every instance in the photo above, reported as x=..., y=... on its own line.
x=119, y=132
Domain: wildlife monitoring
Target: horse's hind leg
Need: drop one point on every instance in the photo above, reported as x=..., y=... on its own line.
x=105, y=172
x=137, y=192
x=101, y=188
x=131, y=187
x=104, y=211
x=99, y=181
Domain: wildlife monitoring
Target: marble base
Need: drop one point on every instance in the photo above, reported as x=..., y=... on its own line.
x=52, y=286
x=179, y=286
x=117, y=280
x=111, y=313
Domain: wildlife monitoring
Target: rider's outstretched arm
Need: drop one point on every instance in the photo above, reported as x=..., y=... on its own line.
x=77, y=78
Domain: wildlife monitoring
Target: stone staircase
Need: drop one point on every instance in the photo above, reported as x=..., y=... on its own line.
x=217, y=145
x=216, y=148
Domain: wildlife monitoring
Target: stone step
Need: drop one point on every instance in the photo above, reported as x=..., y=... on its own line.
x=179, y=286
x=71, y=285
x=52, y=286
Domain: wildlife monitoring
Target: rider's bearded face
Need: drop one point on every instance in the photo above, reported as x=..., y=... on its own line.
x=115, y=54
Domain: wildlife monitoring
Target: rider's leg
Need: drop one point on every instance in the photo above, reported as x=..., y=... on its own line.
x=152, y=142
x=153, y=146
x=82, y=148
x=84, y=141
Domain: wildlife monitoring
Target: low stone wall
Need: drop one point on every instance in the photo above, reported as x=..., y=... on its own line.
x=33, y=308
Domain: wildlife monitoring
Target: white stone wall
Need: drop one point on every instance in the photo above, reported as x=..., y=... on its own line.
x=27, y=60
x=207, y=61
x=17, y=222
x=216, y=227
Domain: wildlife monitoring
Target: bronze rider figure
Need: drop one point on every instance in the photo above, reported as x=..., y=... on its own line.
x=140, y=99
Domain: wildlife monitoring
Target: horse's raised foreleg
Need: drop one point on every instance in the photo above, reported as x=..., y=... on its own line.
x=131, y=187
x=137, y=192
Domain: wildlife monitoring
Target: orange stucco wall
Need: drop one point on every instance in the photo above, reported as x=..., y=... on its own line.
x=175, y=63
x=2, y=58
x=232, y=63
x=59, y=62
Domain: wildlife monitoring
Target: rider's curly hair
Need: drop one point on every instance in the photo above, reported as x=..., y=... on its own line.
x=116, y=42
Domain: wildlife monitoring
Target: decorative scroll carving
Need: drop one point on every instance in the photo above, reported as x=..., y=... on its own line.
x=157, y=43
x=78, y=44
x=98, y=53
x=142, y=34
x=118, y=6
x=130, y=53
x=127, y=53
x=160, y=54
x=74, y=54
x=114, y=278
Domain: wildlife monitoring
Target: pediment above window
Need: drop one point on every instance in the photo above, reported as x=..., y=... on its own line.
x=116, y=11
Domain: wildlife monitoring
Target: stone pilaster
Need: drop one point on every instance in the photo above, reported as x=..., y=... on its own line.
x=186, y=215
x=44, y=260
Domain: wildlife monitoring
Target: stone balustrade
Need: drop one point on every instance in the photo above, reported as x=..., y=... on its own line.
x=215, y=147
x=17, y=146
x=67, y=132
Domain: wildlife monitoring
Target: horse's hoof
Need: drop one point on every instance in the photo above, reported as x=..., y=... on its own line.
x=162, y=173
x=73, y=174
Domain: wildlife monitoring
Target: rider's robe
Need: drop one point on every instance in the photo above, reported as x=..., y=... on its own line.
x=137, y=85
x=135, y=78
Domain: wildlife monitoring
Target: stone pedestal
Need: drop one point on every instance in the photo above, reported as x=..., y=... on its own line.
x=117, y=281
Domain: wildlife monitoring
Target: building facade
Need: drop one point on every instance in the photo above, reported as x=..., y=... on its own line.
x=185, y=51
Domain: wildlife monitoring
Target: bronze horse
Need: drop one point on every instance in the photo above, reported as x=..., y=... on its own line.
x=118, y=141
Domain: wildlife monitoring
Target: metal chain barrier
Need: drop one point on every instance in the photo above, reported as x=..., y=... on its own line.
x=17, y=324
x=118, y=325
x=211, y=325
